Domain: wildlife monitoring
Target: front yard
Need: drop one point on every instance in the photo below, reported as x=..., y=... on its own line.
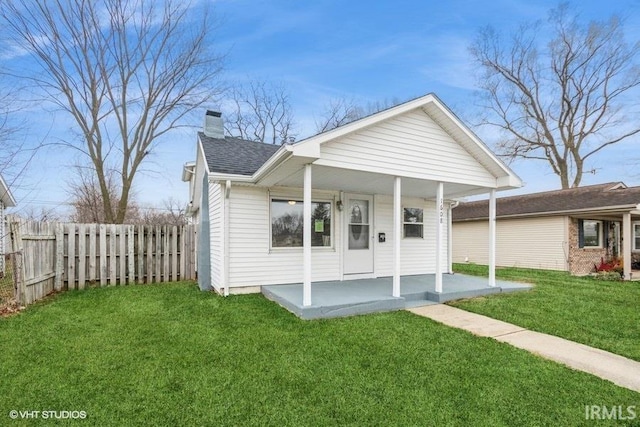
x=172, y=355
x=597, y=313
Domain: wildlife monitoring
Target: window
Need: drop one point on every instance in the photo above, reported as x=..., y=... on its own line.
x=591, y=234
x=636, y=236
x=287, y=221
x=413, y=222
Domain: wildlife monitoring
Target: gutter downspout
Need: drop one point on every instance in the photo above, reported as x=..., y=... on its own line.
x=227, y=219
x=452, y=205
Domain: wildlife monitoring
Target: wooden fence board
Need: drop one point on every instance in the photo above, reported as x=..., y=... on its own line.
x=103, y=255
x=82, y=255
x=92, y=252
x=72, y=256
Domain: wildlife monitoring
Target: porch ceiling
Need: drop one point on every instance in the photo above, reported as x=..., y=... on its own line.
x=290, y=174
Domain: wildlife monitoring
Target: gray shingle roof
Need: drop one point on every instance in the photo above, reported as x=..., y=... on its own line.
x=595, y=197
x=234, y=155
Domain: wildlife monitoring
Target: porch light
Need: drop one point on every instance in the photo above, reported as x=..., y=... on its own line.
x=292, y=202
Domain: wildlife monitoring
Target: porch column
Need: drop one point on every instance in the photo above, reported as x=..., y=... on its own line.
x=397, y=233
x=306, y=237
x=439, y=222
x=626, y=245
x=450, y=239
x=492, y=238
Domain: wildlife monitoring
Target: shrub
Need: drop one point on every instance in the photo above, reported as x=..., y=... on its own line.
x=608, y=275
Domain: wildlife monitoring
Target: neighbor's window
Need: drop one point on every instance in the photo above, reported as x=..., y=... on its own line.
x=592, y=234
x=287, y=221
x=636, y=236
x=413, y=222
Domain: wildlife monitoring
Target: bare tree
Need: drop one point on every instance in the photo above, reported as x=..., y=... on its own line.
x=39, y=214
x=126, y=71
x=260, y=112
x=87, y=200
x=559, y=92
x=172, y=213
x=340, y=111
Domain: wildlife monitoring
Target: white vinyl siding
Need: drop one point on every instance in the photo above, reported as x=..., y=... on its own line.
x=417, y=255
x=252, y=262
x=412, y=145
x=3, y=238
x=525, y=242
x=216, y=224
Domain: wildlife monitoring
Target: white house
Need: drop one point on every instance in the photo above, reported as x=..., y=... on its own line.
x=368, y=199
x=6, y=201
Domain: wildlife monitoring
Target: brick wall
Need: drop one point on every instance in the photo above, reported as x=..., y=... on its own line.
x=582, y=260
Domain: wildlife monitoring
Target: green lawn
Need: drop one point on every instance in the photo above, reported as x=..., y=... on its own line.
x=172, y=355
x=597, y=313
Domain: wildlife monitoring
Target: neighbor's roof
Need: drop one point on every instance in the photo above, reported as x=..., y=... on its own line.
x=234, y=155
x=592, y=197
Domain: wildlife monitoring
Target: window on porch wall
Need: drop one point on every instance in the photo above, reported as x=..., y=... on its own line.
x=287, y=223
x=413, y=222
x=636, y=236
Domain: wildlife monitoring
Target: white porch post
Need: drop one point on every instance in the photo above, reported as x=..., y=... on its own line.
x=492, y=238
x=626, y=245
x=306, y=238
x=450, y=239
x=439, y=223
x=397, y=233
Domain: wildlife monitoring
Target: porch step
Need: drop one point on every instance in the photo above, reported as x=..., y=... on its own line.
x=418, y=303
x=417, y=296
x=450, y=296
x=324, y=307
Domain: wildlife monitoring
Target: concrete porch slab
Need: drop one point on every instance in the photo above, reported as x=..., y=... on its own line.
x=352, y=297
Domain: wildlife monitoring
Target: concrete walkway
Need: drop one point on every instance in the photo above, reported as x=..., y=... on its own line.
x=609, y=366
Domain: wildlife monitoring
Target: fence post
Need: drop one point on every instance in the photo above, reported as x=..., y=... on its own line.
x=17, y=246
x=57, y=283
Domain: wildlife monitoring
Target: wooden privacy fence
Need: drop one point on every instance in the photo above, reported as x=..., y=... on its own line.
x=59, y=256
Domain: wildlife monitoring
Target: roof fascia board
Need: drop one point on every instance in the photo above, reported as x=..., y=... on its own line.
x=204, y=157
x=595, y=211
x=7, y=196
x=282, y=154
x=213, y=177
x=510, y=174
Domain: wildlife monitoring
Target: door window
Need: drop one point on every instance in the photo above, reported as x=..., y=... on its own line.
x=358, y=224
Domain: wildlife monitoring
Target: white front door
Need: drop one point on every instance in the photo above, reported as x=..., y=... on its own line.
x=358, y=241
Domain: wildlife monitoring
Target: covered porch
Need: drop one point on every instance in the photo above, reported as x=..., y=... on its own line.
x=419, y=151
x=353, y=297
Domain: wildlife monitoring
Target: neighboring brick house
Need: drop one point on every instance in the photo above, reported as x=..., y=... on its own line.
x=568, y=230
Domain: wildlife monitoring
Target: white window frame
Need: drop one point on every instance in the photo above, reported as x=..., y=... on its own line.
x=412, y=223
x=298, y=199
x=600, y=234
x=634, y=236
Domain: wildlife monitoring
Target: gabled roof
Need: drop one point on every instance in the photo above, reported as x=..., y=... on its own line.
x=593, y=197
x=234, y=155
x=272, y=165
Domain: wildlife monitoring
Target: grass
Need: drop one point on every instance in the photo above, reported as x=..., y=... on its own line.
x=596, y=313
x=172, y=355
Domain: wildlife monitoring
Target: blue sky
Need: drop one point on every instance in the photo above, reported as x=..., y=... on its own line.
x=367, y=51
